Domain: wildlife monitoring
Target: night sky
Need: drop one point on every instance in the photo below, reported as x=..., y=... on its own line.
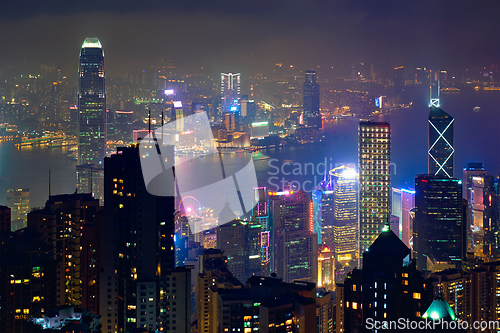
x=194, y=34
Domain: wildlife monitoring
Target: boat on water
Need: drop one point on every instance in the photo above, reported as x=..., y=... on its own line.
x=450, y=90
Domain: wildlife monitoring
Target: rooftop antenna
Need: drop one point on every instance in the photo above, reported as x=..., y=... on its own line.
x=434, y=101
x=162, y=127
x=149, y=121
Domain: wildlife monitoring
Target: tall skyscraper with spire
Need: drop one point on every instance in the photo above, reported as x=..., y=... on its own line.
x=441, y=145
x=91, y=118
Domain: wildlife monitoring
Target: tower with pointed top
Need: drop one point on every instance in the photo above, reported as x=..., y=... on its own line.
x=441, y=142
x=91, y=118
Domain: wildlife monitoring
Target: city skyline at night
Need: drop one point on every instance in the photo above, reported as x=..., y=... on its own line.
x=249, y=167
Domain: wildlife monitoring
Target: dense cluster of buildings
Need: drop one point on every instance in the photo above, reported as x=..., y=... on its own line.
x=352, y=249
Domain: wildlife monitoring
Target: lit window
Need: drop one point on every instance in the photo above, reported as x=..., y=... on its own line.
x=416, y=295
x=354, y=305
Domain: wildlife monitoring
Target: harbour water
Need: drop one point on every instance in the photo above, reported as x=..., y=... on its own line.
x=477, y=138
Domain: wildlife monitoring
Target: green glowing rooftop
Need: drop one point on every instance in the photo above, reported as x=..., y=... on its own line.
x=439, y=309
x=91, y=42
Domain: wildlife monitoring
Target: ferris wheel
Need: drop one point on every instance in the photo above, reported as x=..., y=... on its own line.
x=190, y=207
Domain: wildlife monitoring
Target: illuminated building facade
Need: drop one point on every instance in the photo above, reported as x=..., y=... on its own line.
x=230, y=92
x=215, y=275
x=312, y=117
x=407, y=204
x=438, y=231
x=261, y=217
x=345, y=212
x=61, y=223
x=473, y=295
x=396, y=209
x=441, y=153
x=91, y=116
x=294, y=243
x=326, y=269
x=403, y=200
x=374, y=159
x=232, y=240
x=18, y=201
x=484, y=214
x=268, y=304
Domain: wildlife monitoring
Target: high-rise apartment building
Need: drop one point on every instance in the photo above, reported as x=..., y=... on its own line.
x=441, y=153
x=312, y=117
x=439, y=233
x=473, y=295
x=215, y=276
x=18, y=201
x=230, y=92
x=62, y=222
x=295, y=244
x=139, y=251
x=374, y=161
x=91, y=118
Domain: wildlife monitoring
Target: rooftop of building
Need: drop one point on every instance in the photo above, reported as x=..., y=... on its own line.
x=91, y=42
x=388, y=244
x=439, y=310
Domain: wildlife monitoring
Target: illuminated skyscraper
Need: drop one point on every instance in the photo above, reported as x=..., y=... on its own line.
x=294, y=241
x=91, y=118
x=19, y=203
x=345, y=212
x=374, y=160
x=230, y=92
x=441, y=144
x=407, y=204
x=438, y=234
x=312, y=116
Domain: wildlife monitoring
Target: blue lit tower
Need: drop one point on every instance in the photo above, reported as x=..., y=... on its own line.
x=91, y=118
x=346, y=212
x=441, y=145
x=312, y=116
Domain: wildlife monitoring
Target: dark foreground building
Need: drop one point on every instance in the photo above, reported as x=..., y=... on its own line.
x=388, y=287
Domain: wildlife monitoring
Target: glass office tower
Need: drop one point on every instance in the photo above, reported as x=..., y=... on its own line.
x=91, y=118
x=438, y=233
